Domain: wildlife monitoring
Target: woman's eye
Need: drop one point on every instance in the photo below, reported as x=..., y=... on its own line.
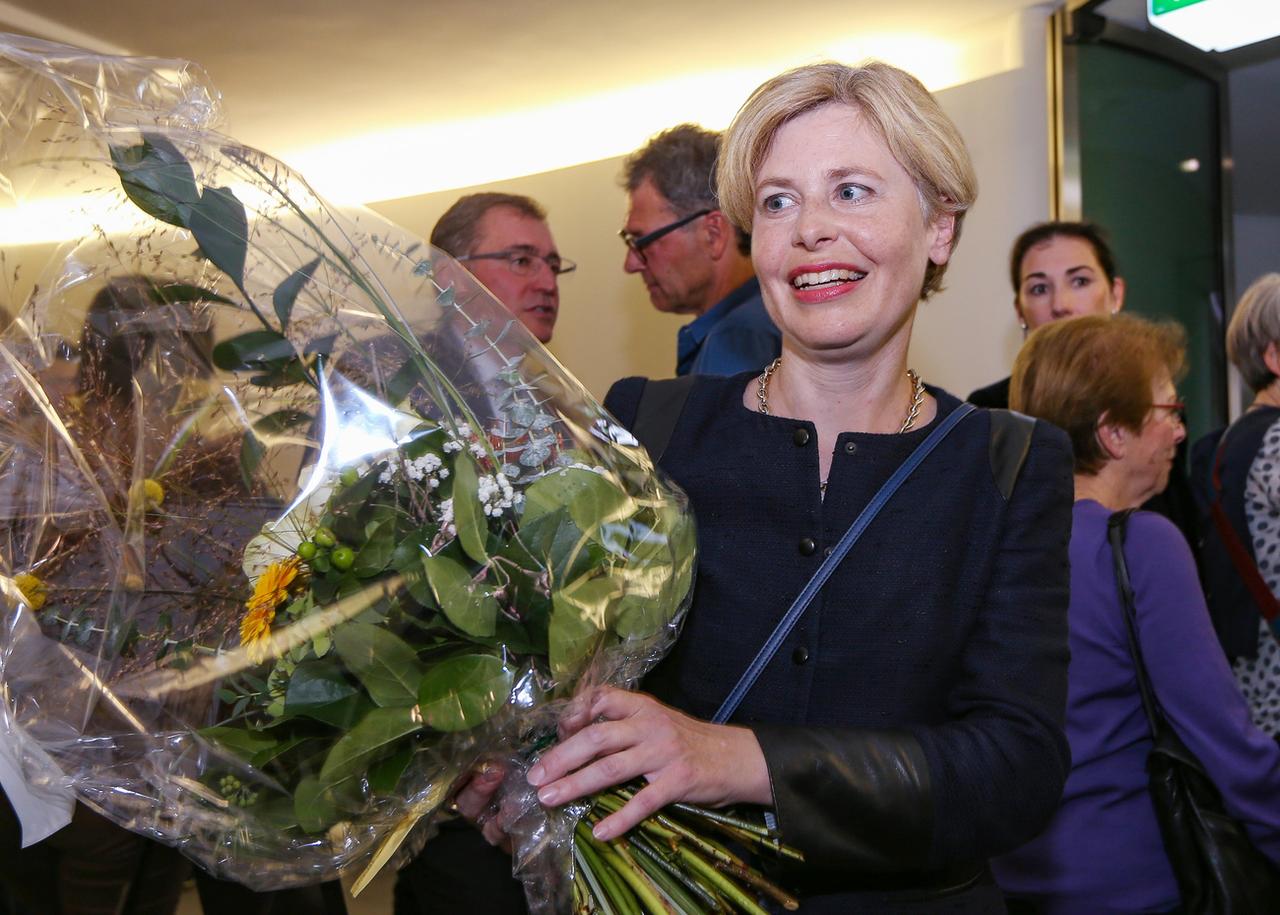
x=1079, y=282
x=1037, y=289
x=851, y=192
x=775, y=202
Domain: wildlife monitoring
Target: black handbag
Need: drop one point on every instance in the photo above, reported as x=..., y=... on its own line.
x=1218, y=869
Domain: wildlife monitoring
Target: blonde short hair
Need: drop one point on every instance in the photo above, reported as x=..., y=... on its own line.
x=1254, y=325
x=897, y=105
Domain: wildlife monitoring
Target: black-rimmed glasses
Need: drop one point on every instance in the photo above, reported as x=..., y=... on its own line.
x=639, y=243
x=524, y=261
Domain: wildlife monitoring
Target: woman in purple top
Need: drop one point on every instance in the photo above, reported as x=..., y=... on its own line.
x=1109, y=384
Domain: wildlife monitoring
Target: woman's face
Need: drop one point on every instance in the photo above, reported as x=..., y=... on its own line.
x=838, y=236
x=1061, y=278
x=1149, y=458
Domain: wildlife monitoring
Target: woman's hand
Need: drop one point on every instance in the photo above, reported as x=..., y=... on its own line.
x=612, y=736
x=475, y=802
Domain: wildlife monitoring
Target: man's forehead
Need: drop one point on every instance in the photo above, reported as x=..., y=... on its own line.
x=502, y=227
x=646, y=204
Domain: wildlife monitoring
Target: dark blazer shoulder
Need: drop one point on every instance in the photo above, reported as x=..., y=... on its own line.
x=992, y=396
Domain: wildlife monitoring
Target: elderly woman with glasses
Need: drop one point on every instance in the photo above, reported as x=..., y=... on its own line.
x=1109, y=383
x=910, y=724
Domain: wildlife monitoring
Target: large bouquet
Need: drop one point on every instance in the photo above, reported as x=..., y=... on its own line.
x=296, y=523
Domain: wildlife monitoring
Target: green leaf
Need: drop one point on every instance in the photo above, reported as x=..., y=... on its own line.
x=468, y=516
x=257, y=349
x=281, y=421
x=378, y=548
x=463, y=691
x=385, y=664
x=571, y=639
x=240, y=741
x=314, y=805
x=157, y=178
x=468, y=605
x=384, y=777
x=591, y=498
x=266, y=756
x=185, y=293
x=368, y=741
x=316, y=684
x=219, y=224
x=286, y=293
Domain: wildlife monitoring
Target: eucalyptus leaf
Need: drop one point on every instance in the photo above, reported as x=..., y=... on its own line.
x=468, y=516
x=220, y=227
x=464, y=691
x=157, y=178
x=384, y=663
x=286, y=293
x=370, y=740
x=468, y=605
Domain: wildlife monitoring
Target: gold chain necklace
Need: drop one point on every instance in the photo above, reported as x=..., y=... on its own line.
x=913, y=411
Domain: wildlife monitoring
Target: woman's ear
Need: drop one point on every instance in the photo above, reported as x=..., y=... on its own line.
x=944, y=230
x=1112, y=437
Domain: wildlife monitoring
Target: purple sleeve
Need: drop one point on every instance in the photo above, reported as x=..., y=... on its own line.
x=1193, y=683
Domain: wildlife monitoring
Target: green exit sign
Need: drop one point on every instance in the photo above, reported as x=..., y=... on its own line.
x=1160, y=7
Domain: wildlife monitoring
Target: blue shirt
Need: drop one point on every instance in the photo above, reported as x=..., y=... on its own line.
x=735, y=335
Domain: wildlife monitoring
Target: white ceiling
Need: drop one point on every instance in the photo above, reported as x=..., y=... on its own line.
x=296, y=75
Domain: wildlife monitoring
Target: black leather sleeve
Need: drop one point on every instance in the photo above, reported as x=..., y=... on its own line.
x=850, y=799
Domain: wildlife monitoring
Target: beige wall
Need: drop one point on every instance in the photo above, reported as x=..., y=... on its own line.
x=965, y=337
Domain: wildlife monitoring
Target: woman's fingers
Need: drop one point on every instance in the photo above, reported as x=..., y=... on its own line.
x=476, y=796
x=644, y=804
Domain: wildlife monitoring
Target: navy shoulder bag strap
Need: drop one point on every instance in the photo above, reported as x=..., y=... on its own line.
x=807, y=594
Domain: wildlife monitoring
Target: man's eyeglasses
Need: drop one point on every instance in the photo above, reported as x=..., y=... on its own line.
x=639, y=243
x=524, y=262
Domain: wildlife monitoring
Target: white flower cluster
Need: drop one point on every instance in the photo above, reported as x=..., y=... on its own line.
x=447, y=527
x=427, y=469
x=466, y=440
x=496, y=494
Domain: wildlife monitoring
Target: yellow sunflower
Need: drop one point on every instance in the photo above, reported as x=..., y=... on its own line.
x=270, y=591
x=33, y=590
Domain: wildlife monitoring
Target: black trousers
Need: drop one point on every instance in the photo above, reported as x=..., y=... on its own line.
x=459, y=872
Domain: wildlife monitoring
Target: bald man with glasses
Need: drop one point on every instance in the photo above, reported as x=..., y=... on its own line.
x=692, y=260
x=505, y=242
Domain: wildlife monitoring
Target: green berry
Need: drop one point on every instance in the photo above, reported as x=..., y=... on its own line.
x=343, y=558
x=324, y=538
x=306, y=550
x=349, y=476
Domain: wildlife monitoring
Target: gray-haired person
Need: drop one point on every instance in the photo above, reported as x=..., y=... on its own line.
x=692, y=259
